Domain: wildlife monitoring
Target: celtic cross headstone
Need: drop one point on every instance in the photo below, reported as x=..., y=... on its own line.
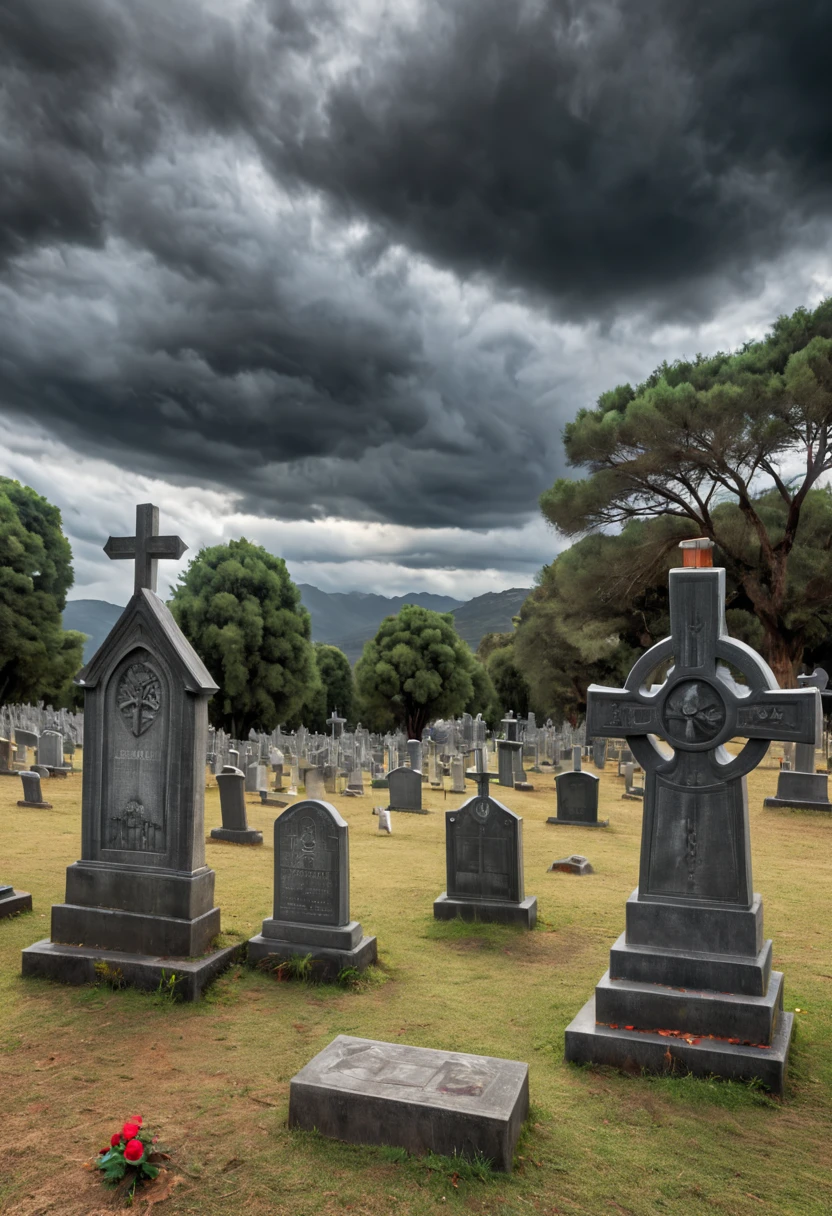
x=141, y=897
x=692, y=962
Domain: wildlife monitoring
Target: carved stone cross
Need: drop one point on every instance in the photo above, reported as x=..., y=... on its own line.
x=147, y=547
x=695, y=840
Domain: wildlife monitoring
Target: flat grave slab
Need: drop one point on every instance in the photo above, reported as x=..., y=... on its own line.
x=423, y=1100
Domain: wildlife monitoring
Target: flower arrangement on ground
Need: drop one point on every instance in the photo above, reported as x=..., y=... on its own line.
x=130, y=1156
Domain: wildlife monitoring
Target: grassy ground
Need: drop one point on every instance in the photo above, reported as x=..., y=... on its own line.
x=213, y=1078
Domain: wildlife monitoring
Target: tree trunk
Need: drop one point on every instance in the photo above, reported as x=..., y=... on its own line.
x=784, y=656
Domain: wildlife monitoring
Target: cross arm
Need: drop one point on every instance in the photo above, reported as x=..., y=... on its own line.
x=118, y=547
x=616, y=713
x=789, y=715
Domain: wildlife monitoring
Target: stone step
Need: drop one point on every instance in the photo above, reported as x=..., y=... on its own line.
x=587, y=1042
x=688, y=969
x=751, y=1019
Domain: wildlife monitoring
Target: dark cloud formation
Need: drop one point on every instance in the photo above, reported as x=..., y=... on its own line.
x=229, y=233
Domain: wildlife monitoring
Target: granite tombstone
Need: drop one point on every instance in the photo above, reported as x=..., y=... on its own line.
x=577, y=799
x=405, y=786
x=141, y=899
x=32, y=794
x=484, y=862
x=312, y=895
x=235, y=829
x=690, y=983
x=801, y=786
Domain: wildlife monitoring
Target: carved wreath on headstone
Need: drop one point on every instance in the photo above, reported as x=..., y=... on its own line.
x=139, y=697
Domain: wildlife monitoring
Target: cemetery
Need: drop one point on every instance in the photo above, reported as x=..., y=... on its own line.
x=336, y=1033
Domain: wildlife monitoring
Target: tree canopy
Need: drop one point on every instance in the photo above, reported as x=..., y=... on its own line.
x=511, y=688
x=243, y=615
x=38, y=658
x=334, y=688
x=416, y=669
x=752, y=429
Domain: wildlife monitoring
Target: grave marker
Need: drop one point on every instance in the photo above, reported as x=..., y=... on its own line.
x=235, y=829
x=405, y=786
x=692, y=961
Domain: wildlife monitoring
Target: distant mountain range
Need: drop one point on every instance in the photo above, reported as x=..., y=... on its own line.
x=344, y=619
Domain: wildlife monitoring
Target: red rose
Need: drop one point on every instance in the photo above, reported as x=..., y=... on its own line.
x=102, y=1151
x=135, y=1119
x=133, y=1151
x=115, y=1139
x=130, y=1130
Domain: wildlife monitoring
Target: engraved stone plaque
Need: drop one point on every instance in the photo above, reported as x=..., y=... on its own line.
x=311, y=865
x=135, y=762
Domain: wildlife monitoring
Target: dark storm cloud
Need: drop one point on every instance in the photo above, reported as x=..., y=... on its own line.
x=184, y=288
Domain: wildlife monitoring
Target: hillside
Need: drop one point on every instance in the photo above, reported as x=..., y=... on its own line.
x=346, y=619
x=489, y=613
x=95, y=618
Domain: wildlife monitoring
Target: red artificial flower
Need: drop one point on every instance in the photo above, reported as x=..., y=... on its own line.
x=135, y=1119
x=133, y=1151
x=102, y=1151
x=130, y=1130
x=115, y=1139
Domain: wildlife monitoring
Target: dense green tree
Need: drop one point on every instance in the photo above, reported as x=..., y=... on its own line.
x=602, y=602
x=510, y=685
x=242, y=614
x=38, y=658
x=416, y=669
x=334, y=688
x=752, y=429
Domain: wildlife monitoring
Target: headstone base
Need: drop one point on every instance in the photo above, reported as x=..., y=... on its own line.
x=250, y=836
x=140, y=933
x=794, y=804
x=587, y=1042
x=633, y=796
x=434, y=1101
x=77, y=965
x=328, y=962
x=38, y=806
x=523, y=785
x=578, y=823
x=406, y=810
x=12, y=902
x=488, y=911
x=803, y=791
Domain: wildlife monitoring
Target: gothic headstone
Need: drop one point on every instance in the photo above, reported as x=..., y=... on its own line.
x=484, y=862
x=405, y=790
x=235, y=829
x=141, y=898
x=312, y=894
x=692, y=962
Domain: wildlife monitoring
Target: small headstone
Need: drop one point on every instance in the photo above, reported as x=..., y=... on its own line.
x=32, y=795
x=633, y=792
x=484, y=863
x=330, y=779
x=235, y=829
x=405, y=786
x=252, y=778
x=577, y=795
x=41, y=770
x=803, y=787
x=414, y=753
x=457, y=775
x=312, y=894
x=575, y=864
x=506, y=751
x=51, y=749
x=418, y=1098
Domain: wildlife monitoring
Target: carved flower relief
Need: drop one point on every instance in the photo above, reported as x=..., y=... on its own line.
x=139, y=697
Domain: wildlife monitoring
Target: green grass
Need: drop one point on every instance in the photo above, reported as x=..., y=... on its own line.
x=213, y=1078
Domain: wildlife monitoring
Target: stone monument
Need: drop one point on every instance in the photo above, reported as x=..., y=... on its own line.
x=405, y=786
x=141, y=899
x=32, y=795
x=312, y=894
x=690, y=983
x=484, y=861
x=426, y=1101
x=235, y=829
x=577, y=795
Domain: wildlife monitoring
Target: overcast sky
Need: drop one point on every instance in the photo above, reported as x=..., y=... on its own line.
x=332, y=274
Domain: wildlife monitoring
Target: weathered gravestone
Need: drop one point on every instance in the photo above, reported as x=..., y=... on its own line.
x=599, y=753
x=405, y=786
x=235, y=829
x=414, y=754
x=32, y=795
x=141, y=899
x=802, y=787
x=252, y=777
x=312, y=895
x=457, y=775
x=484, y=862
x=51, y=749
x=507, y=749
x=313, y=781
x=690, y=983
x=423, y=1100
x=632, y=792
x=577, y=795
x=576, y=863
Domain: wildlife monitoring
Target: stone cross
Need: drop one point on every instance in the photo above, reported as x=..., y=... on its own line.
x=146, y=547
x=479, y=775
x=695, y=838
